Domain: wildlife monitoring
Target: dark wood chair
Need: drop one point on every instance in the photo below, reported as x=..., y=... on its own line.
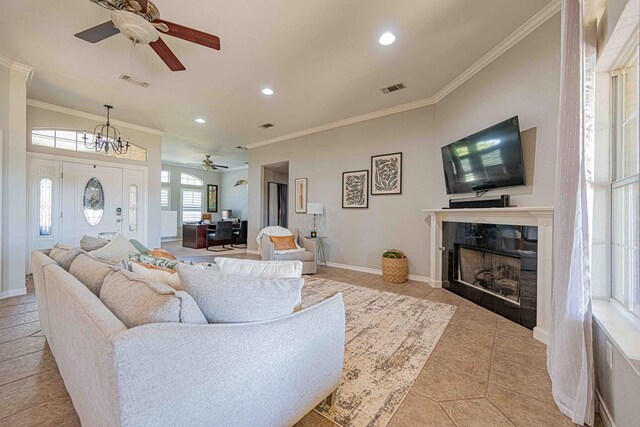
x=221, y=236
x=240, y=234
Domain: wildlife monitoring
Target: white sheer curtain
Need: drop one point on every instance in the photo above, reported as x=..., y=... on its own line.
x=570, y=349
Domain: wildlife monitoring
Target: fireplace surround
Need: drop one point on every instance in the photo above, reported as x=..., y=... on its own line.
x=541, y=218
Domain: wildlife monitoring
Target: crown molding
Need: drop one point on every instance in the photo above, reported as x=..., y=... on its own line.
x=17, y=66
x=84, y=115
x=524, y=30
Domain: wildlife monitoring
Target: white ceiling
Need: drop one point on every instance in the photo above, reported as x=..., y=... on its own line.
x=321, y=57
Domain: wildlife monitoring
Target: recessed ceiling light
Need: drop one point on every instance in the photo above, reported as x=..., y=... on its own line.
x=386, y=39
x=201, y=121
x=267, y=91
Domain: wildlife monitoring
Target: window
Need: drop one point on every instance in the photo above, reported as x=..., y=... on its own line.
x=73, y=140
x=45, y=197
x=625, y=187
x=165, y=202
x=186, y=179
x=133, y=208
x=93, y=201
x=165, y=177
x=191, y=205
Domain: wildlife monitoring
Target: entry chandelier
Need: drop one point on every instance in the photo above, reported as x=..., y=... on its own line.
x=106, y=137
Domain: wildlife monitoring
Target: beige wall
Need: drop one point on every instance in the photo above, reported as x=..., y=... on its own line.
x=44, y=118
x=235, y=198
x=524, y=82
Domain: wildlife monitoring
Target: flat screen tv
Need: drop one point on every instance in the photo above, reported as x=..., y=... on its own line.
x=491, y=158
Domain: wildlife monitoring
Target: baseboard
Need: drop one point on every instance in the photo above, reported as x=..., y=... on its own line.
x=253, y=251
x=607, y=419
x=540, y=334
x=13, y=293
x=377, y=271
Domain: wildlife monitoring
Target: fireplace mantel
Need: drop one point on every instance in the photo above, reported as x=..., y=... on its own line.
x=541, y=217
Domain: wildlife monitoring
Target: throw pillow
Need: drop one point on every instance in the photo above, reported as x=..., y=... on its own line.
x=90, y=243
x=115, y=251
x=63, y=255
x=227, y=298
x=283, y=243
x=261, y=269
x=139, y=246
x=158, y=262
x=90, y=271
x=136, y=301
x=161, y=253
x=157, y=274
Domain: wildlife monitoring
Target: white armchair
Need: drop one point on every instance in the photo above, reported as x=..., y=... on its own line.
x=308, y=257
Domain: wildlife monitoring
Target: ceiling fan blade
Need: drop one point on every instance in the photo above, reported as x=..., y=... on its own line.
x=98, y=33
x=143, y=4
x=220, y=167
x=189, y=34
x=163, y=51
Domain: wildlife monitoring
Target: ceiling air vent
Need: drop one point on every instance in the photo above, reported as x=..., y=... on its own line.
x=133, y=80
x=266, y=125
x=393, y=88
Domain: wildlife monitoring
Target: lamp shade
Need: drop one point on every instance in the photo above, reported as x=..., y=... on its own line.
x=315, y=208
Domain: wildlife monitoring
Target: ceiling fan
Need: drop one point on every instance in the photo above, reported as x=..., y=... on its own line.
x=139, y=21
x=208, y=165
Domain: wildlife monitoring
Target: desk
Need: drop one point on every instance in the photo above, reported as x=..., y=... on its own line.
x=195, y=235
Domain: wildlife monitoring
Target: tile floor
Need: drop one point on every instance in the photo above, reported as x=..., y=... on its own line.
x=485, y=371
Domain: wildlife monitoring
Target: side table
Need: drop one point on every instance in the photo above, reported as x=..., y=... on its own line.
x=320, y=254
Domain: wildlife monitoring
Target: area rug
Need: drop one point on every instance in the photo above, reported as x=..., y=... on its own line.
x=389, y=338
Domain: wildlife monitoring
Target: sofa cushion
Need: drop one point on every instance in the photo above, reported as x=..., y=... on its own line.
x=295, y=256
x=90, y=271
x=227, y=298
x=136, y=301
x=115, y=251
x=90, y=243
x=157, y=274
x=63, y=255
x=261, y=269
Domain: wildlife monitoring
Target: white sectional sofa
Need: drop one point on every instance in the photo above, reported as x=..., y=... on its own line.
x=268, y=373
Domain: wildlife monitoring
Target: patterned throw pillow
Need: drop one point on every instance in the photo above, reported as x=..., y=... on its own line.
x=139, y=246
x=115, y=251
x=158, y=262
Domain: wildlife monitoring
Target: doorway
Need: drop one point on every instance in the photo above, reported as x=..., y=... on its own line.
x=275, y=194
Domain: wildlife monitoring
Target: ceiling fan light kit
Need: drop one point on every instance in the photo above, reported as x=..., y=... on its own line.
x=134, y=27
x=208, y=165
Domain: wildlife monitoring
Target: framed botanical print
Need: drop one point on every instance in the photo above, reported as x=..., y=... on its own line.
x=386, y=171
x=355, y=186
x=301, y=195
x=212, y=198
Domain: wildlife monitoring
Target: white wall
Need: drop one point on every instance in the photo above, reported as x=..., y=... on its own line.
x=48, y=119
x=524, y=81
x=13, y=98
x=235, y=198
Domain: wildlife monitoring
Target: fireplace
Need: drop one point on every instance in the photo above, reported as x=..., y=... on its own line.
x=493, y=265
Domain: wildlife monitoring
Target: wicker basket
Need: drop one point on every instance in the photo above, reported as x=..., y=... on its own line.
x=395, y=270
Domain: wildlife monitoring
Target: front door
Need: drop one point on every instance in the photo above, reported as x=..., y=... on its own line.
x=91, y=201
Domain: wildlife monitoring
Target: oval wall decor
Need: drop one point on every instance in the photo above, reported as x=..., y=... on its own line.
x=93, y=201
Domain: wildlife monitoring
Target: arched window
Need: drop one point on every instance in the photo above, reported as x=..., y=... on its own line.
x=133, y=208
x=45, y=196
x=186, y=179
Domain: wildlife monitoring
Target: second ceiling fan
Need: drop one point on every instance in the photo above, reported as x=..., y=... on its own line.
x=139, y=21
